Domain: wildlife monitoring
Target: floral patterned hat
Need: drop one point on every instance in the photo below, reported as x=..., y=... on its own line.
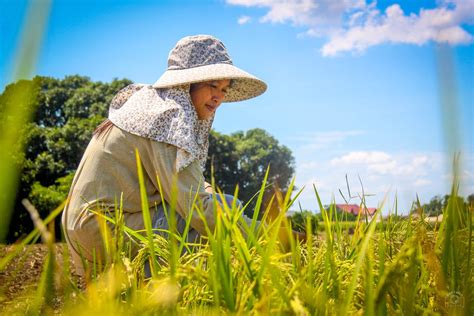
x=203, y=58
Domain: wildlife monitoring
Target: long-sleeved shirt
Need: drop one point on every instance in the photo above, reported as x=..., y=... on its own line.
x=108, y=174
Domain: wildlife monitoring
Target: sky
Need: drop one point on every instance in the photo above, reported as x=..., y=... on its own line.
x=356, y=89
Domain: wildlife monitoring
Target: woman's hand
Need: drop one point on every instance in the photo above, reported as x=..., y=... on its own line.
x=208, y=187
x=284, y=237
x=299, y=236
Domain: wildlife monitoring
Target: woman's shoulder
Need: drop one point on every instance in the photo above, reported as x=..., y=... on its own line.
x=124, y=94
x=128, y=139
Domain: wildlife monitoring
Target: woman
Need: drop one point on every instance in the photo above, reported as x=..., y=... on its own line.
x=168, y=124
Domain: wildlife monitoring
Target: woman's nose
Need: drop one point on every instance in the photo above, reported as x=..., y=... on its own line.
x=218, y=97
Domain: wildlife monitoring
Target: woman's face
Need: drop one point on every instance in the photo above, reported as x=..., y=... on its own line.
x=207, y=96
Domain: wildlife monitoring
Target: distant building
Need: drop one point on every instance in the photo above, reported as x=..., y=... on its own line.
x=355, y=209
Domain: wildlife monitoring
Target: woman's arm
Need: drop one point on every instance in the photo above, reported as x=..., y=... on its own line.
x=185, y=188
x=284, y=237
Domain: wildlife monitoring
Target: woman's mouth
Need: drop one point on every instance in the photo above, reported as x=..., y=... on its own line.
x=210, y=108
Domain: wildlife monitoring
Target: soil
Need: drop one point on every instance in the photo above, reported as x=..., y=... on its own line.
x=20, y=278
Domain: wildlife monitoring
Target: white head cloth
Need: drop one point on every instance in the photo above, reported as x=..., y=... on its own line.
x=163, y=115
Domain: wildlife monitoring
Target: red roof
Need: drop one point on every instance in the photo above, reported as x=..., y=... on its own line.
x=355, y=209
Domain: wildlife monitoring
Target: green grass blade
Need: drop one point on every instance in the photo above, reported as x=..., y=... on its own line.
x=146, y=213
x=31, y=238
x=359, y=262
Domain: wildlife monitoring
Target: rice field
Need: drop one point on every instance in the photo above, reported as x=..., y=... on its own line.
x=405, y=266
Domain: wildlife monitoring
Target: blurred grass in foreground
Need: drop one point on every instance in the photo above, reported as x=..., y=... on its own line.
x=19, y=111
x=394, y=266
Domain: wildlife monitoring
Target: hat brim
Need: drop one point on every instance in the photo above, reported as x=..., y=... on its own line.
x=244, y=85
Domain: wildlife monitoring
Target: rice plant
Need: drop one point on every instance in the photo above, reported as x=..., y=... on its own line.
x=388, y=266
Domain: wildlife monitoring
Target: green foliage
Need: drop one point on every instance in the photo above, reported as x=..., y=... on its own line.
x=437, y=204
x=48, y=198
x=243, y=157
x=13, y=114
x=300, y=219
x=470, y=199
x=65, y=112
x=339, y=214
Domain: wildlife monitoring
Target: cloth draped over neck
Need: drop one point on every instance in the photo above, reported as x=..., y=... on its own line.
x=164, y=115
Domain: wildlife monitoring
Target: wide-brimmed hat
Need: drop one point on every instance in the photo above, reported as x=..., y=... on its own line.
x=204, y=58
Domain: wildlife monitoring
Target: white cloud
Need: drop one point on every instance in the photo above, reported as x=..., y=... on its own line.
x=468, y=175
x=383, y=168
x=314, y=181
x=420, y=160
x=421, y=182
x=311, y=165
x=243, y=19
x=327, y=139
x=464, y=176
x=354, y=25
x=439, y=25
x=362, y=157
x=322, y=13
x=382, y=163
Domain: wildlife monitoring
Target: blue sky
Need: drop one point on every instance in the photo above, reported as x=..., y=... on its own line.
x=353, y=86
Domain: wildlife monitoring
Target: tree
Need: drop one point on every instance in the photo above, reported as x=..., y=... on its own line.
x=470, y=200
x=435, y=206
x=438, y=204
x=65, y=112
x=242, y=159
x=299, y=221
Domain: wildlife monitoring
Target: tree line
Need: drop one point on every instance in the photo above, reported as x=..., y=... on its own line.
x=66, y=112
x=438, y=203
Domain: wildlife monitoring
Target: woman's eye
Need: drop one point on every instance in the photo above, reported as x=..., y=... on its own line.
x=215, y=86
